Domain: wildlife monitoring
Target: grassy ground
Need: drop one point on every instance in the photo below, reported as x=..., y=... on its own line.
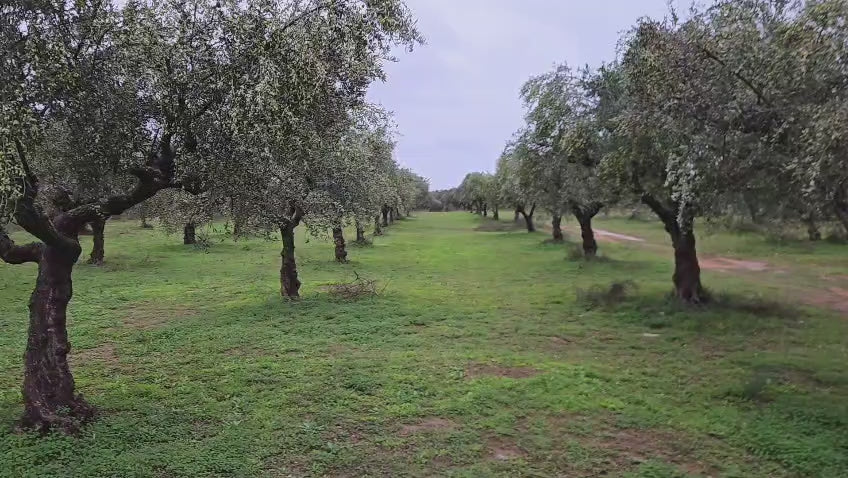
x=487, y=354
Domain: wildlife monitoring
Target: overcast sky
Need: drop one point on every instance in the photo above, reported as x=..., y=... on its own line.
x=456, y=98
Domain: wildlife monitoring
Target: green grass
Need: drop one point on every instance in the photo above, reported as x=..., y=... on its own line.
x=476, y=360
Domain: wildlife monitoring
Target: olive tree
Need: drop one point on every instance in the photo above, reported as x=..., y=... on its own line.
x=723, y=103
x=561, y=165
x=60, y=60
x=513, y=189
x=301, y=83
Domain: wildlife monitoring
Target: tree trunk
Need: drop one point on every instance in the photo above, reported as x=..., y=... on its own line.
x=842, y=215
x=813, y=232
x=378, y=226
x=98, y=227
x=142, y=213
x=517, y=212
x=385, y=212
x=50, y=402
x=590, y=246
x=238, y=227
x=289, y=283
x=528, y=220
x=339, y=241
x=485, y=210
x=495, y=215
x=687, y=271
x=189, y=235
x=391, y=215
x=360, y=232
x=556, y=225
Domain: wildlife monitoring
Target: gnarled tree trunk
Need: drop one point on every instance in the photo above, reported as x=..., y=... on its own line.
x=584, y=215
x=360, y=232
x=50, y=401
x=556, y=225
x=687, y=271
x=485, y=210
x=339, y=241
x=98, y=228
x=587, y=234
x=289, y=283
x=385, y=213
x=189, y=234
x=495, y=215
x=378, y=226
x=391, y=215
x=528, y=218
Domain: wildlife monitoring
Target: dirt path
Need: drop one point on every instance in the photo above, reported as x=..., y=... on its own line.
x=615, y=237
x=816, y=292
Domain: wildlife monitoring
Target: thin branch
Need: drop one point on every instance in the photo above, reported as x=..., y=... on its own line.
x=761, y=97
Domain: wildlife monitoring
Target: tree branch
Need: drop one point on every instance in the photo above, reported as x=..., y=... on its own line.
x=761, y=97
x=12, y=254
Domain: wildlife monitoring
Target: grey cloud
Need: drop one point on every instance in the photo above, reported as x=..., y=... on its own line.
x=456, y=98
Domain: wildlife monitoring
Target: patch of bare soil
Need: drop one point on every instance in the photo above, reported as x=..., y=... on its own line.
x=150, y=315
x=834, y=298
x=560, y=341
x=629, y=447
x=725, y=264
x=103, y=353
x=491, y=370
x=502, y=449
x=432, y=424
x=615, y=237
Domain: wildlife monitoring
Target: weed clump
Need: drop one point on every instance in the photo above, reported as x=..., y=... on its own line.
x=357, y=289
x=600, y=295
x=576, y=254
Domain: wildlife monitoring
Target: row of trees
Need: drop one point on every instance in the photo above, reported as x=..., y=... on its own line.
x=258, y=107
x=741, y=106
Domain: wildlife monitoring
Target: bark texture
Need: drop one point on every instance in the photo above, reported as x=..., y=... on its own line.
x=385, y=213
x=339, y=241
x=584, y=215
x=556, y=225
x=360, y=232
x=50, y=401
x=98, y=228
x=687, y=270
x=378, y=226
x=495, y=214
x=528, y=218
x=189, y=234
x=587, y=235
x=289, y=283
